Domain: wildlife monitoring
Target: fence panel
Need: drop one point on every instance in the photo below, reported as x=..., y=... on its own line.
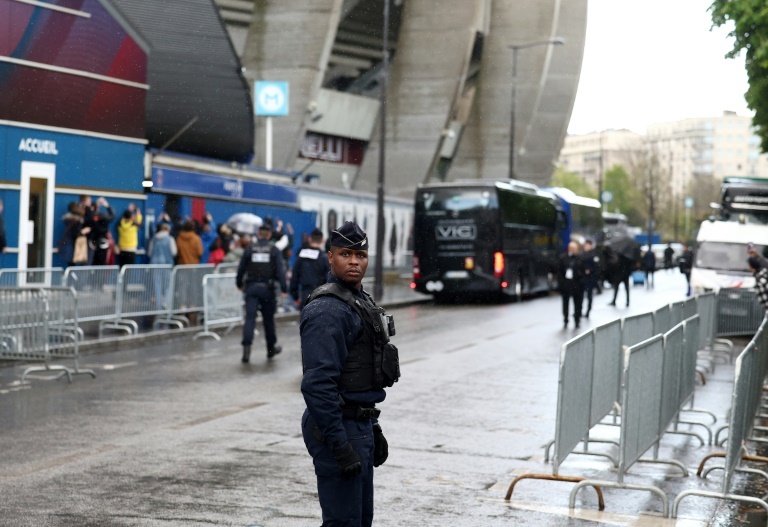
x=707, y=306
x=641, y=402
x=674, y=351
x=32, y=277
x=738, y=312
x=606, y=378
x=185, y=294
x=223, y=303
x=224, y=268
x=690, y=308
x=662, y=320
x=96, y=288
x=574, y=395
x=692, y=336
x=677, y=312
x=23, y=324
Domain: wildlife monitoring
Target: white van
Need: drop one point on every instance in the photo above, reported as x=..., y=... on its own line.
x=720, y=255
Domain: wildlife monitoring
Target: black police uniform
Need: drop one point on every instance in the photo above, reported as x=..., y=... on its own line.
x=309, y=271
x=342, y=383
x=571, y=282
x=260, y=266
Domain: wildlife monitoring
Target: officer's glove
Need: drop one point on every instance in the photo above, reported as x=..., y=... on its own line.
x=348, y=460
x=380, y=446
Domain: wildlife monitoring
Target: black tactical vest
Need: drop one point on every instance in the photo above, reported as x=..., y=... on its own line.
x=260, y=266
x=373, y=361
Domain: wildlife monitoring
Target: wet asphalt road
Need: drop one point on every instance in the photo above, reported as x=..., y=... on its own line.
x=179, y=433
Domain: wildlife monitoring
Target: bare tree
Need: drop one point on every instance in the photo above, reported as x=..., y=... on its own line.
x=652, y=182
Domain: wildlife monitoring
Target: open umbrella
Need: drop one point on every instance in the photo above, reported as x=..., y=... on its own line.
x=625, y=246
x=245, y=223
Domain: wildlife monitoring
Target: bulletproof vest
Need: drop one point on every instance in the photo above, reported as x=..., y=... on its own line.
x=260, y=266
x=373, y=361
x=309, y=259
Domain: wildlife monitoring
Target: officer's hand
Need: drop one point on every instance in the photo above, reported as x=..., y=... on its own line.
x=380, y=446
x=348, y=461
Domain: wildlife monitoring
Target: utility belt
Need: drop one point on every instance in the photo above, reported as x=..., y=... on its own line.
x=253, y=282
x=361, y=413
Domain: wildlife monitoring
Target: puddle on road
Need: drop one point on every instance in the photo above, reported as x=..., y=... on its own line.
x=606, y=518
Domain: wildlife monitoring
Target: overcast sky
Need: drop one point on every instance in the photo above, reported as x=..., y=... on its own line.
x=648, y=61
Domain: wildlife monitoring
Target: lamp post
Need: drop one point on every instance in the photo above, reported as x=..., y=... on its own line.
x=378, y=278
x=558, y=41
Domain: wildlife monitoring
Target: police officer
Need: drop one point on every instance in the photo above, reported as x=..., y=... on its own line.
x=310, y=270
x=260, y=266
x=571, y=282
x=347, y=363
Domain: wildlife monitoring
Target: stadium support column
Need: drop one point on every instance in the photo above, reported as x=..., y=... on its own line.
x=378, y=286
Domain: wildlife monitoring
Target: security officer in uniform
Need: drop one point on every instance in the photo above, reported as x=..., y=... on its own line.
x=347, y=362
x=310, y=270
x=591, y=273
x=260, y=266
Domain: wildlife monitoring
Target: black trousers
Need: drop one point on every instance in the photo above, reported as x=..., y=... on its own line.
x=577, y=293
x=259, y=297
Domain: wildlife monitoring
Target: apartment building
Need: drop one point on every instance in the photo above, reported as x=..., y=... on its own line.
x=589, y=154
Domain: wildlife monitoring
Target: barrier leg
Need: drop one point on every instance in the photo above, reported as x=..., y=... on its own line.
x=63, y=369
x=615, y=485
x=716, y=495
x=672, y=462
x=550, y=477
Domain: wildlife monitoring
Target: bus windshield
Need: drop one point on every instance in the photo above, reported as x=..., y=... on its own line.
x=443, y=200
x=721, y=256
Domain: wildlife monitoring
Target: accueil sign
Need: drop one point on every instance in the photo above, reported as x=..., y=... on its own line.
x=38, y=146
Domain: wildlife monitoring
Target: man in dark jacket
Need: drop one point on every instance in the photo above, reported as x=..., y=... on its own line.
x=686, y=266
x=260, y=267
x=310, y=270
x=571, y=281
x=344, y=378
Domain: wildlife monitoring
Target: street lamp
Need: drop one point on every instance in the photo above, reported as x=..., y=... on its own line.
x=378, y=279
x=557, y=41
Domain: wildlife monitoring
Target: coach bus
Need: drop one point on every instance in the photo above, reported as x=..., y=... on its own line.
x=492, y=237
x=583, y=218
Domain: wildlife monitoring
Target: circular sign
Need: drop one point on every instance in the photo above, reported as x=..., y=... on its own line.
x=607, y=196
x=688, y=203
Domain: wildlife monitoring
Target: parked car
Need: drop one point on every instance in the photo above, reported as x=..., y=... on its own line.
x=658, y=252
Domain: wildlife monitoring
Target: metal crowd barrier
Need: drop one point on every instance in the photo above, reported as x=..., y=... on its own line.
x=738, y=312
x=35, y=326
x=140, y=289
x=592, y=368
x=662, y=320
x=223, y=268
x=32, y=277
x=222, y=303
x=649, y=397
x=185, y=294
x=751, y=369
x=96, y=288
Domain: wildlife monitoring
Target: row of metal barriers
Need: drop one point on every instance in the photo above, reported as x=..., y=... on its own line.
x=639, y=373
x=44, y=311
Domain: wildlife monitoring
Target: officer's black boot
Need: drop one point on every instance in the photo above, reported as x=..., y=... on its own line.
x=274, y=350
x=246, y=353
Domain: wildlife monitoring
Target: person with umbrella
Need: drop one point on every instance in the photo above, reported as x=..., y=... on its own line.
x=623, y=257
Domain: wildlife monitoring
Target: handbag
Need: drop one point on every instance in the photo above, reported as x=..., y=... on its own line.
x=81, y=250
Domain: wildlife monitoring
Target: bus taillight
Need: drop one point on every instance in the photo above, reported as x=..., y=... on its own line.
x=498, y=264
x=416, y=267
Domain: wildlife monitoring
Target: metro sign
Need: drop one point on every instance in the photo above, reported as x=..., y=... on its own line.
x=456, y=232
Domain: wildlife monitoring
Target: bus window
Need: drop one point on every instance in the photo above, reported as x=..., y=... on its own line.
x=460, y=200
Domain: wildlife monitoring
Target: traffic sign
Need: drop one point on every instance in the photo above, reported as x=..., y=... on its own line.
x=688, y=203
x=271, y=98
x=607, y=196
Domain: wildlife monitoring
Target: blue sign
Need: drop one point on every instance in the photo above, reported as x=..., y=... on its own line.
x=190, y=183
x=688, y=203
x=607, y=196
x=271, y=98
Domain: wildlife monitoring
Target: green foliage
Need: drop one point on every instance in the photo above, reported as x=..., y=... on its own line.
x=751, y=35
x=574, y=182
x=625, y=195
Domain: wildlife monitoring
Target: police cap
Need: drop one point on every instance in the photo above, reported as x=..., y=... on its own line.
x=266, y=226
x=350, y=236
x=316, y=233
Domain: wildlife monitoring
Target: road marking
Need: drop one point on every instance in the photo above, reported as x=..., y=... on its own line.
x=218, y=415
x=57, y=462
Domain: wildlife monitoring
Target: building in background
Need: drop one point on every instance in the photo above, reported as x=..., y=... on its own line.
x=449, y=92
x=591, y=155
x=707, y=147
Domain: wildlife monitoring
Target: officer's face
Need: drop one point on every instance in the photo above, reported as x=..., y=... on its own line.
x=348, y=264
